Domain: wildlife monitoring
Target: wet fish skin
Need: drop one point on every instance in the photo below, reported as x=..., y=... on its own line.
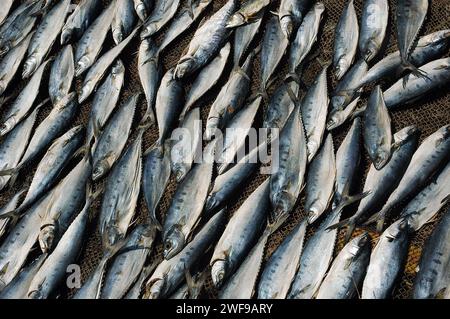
x=320, y=181
x=240, y=234
x=5, y=10
x=386, y=261
x=136, y=289
x=200, y=51
x=281, y=267
x=113, y=138
x=345, y=41
x=347, y=270
x=162, y=13
x=142, y=8
x=243, y=36
x=377, y=129
x=248, y=12
x=124, y=20
x=432, y=277
x=44, y=37
x=61, y=75
x=170, y=273
x=280, y=105
x=374, y=21
x=9, y=206
x=80, y=19
x=91, y=43
x=291, y=15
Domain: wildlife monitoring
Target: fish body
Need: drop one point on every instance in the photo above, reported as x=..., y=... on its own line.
x=290, y=15
x=61, y=75
x=374, y=21
x=162, y=13
x=79, y=20
x=280, y=106
x=124, y=20
x=243, y=36
x=248, y=12
x=5, y=10
x=142, y=8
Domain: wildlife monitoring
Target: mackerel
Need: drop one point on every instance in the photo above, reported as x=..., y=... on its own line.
x=162, y=13
x=124, y=20
x=61, y=75
x=80, y=19
x=374, y=21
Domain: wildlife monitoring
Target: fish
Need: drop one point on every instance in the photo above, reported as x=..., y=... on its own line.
x=61, y=75
x=124, y=20
x=230, y=99
x=9, y=206
x=23, y=104
x=79, y=20
x=291, y=14
x=281, y=104
x=10, y=63
x=206, y=79
x=314, y=110
x=54, y=268
x=241, y=233
x=410, y=16
x=113, y=138
x=120, y=199
x=169, y=274
x=243, y=37
x=98, y=70
x=192, y=288
x=44, y=37
x=429, y=48
x=90, y=44
x=280, y=269
x=381, y=183
x=235, y=134
x=287, y=179
x=345, y=40
x=18, y=287
x=182, y=21
x=305, y=38
x=432, y=278
x=136, y=289
x=438, y=75
x=374, y=21
x=150, y=74
x=14, y=144
x=273, y=48
x=186, y=208
x=386, y=261
x=377, y=129
x=199, y=51
x=127, y=265
x=106, y=98
x=186, y=144
x=347, y=271
x=142, y=8
x=155, y=179
x=433, y=152
x=5, y=10
x=168, y=105
x=320, y=181
x=162, y=13
x=248, y=13
x=425, y=205
x=315, y=259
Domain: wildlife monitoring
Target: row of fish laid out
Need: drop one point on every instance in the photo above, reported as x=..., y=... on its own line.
x=55, y=210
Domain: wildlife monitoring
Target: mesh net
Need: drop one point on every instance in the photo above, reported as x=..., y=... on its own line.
x=428, y=114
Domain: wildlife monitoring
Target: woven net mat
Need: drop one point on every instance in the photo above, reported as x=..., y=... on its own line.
x=429, y=113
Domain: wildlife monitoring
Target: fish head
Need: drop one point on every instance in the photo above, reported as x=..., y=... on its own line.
x=236, y=20
x=314, y=213
x=117, y=34
x=66, y=35
x=180, y=173
x=141, y=10
x=312, y=147
x=218, y=272
x=7, y=125
x=157, y=289
x=82, y=65
x=85, y=91
x=35, y=294
x=336, y=119
x=184, y=67
x=211, y=202
x=341, y=67
x=29, y=67
x=117, y=69
x=287, y=25
x=381, y=158
x=174, y=243
x=370, y=51
x=149, y=30
x=100, y=170
x=47, y=237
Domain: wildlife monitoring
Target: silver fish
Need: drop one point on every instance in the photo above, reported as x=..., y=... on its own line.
x=281, y=104
x=11, y=62
x=61, y=75
x=170, y=273
x=200, y=51
x=345, y=40
x=136, y=289
x=314, y=110
x=433, y=276
x=142, y=8
x=305, y=37
x=185, y=210
x=291, y=14
x=162, y=13
x=186, y=143
x=9, y=206
x=347, y=271
x=44, y=37
x=315, y=260
x=98, y=70
x=241, y=233
x=386, y=261
x=320, y=181
x=124, y=20
x=206, y=79
x=91, y=43
x=273, y=48
x=106, y=98
x=113, y=138
x=281, y=267
x=374, y=21
x=23, y=103
x=433, y=152
x=80, y=19
x=5, y=10
x=230, y=99
x=248, y=13
x=243, y=37
x=192, y=288
x=377, y=129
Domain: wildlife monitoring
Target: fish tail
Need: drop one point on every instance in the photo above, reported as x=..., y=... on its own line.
x=377, y=218
x=408, y=66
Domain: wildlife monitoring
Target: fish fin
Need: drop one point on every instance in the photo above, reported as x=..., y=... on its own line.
x=359, y=111
x=377, y=218
x=190, y=9
x=406, y=65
